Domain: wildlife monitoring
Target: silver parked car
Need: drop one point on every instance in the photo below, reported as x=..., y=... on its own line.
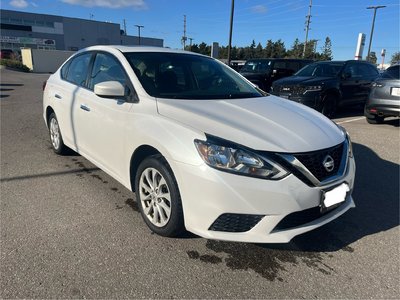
x=384, y=99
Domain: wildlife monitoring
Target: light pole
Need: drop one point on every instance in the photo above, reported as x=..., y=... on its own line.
x=230, y=33
x=373, y=25
x=139, y=27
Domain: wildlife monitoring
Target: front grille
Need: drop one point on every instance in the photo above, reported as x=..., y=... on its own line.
x=289, y=89
x=313, y=161
x=235, y=222
x=302, y=217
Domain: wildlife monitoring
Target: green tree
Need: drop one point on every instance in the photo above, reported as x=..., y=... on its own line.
x=296, y=51
x=327, y=50
x=372, y=58
x=279, y=50
x=259, y=51
x=204, y=49
x=395, y=58
x=269, y=48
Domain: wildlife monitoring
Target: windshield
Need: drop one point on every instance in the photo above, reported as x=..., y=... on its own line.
x=185, y=76
x=256, y=66
x=321, y=70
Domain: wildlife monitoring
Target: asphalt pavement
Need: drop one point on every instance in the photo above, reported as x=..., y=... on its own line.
x=68, y=230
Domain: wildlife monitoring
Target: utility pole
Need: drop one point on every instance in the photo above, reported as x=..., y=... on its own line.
x=125, y=33
x=373, y=25
x=190, y=43
x=91, y=16
x=315, y=48
x=139, y=27
x=184, y=38
x=308, y=21
x=230, y=32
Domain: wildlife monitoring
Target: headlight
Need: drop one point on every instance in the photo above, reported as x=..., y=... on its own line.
x=313, y=88
x=233, y=159
x=347, y=136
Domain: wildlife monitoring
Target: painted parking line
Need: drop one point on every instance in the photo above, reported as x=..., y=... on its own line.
x=351, y=120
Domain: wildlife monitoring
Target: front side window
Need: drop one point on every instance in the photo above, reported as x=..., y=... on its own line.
x=78, y=69
x=185, y=76
x=106, y=68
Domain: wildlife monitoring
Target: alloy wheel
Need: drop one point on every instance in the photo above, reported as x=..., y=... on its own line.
x=55, y=133
x=155, y=197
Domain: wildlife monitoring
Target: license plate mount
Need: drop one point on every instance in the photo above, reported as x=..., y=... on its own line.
x=334, y=197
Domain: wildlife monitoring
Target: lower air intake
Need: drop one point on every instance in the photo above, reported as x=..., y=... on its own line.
x=235, y=222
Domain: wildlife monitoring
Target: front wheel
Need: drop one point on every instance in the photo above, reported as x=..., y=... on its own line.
x=57, y=142
x=158, y=197
x=328, y=108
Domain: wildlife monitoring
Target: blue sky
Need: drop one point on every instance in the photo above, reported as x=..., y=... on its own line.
x=208, y=20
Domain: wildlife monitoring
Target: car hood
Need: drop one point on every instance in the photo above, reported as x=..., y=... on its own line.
x=264, y=123
x=308, y=80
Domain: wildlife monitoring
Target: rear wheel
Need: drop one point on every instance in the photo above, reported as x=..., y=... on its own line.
x=57, y=142
x=375, y=120
x=329, y=106
x=158, y=197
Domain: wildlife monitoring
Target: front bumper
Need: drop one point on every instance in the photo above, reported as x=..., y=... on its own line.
x=310, y=99
x=208, y=193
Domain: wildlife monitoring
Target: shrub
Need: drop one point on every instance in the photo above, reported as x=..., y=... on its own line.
x=14, y=64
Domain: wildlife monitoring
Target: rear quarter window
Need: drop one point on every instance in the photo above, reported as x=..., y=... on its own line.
x=64, y=70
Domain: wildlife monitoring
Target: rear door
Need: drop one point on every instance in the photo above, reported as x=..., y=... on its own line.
x=64, y=95
x=351, y=84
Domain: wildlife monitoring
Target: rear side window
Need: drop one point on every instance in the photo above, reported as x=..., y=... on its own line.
x=368, y=70
x=78, y=69
x=392, y=73
x=361, y=70
x=293, y=65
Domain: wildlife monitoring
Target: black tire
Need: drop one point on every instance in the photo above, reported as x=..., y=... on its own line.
x=175, y=224
x=375, y=120
x=329, y=106
x=58, y=146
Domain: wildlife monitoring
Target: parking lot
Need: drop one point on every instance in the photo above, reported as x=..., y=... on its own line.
x=68, y=230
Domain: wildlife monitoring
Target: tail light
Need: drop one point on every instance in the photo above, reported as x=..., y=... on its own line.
x=44, y=84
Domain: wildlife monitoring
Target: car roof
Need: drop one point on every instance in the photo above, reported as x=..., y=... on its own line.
x=126, y=49
x=285, y=59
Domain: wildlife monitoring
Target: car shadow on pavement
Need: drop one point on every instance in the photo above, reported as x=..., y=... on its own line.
x=394, y=122
x=350, y=111
x=376, y=195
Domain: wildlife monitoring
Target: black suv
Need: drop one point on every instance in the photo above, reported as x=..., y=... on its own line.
x=264, y=71
x=327, y=85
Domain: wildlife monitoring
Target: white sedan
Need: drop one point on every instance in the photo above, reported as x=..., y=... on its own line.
x=203, y=148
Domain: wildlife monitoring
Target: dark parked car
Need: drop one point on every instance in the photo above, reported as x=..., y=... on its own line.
x=384, y=99
x=327, y=85
x=6, y=53
x=264, y=71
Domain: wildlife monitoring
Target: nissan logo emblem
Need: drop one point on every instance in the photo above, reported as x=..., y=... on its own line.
x=328, y=163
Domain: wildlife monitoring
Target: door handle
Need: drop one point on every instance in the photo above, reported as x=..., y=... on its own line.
x=58, y=96
x=84, y=107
